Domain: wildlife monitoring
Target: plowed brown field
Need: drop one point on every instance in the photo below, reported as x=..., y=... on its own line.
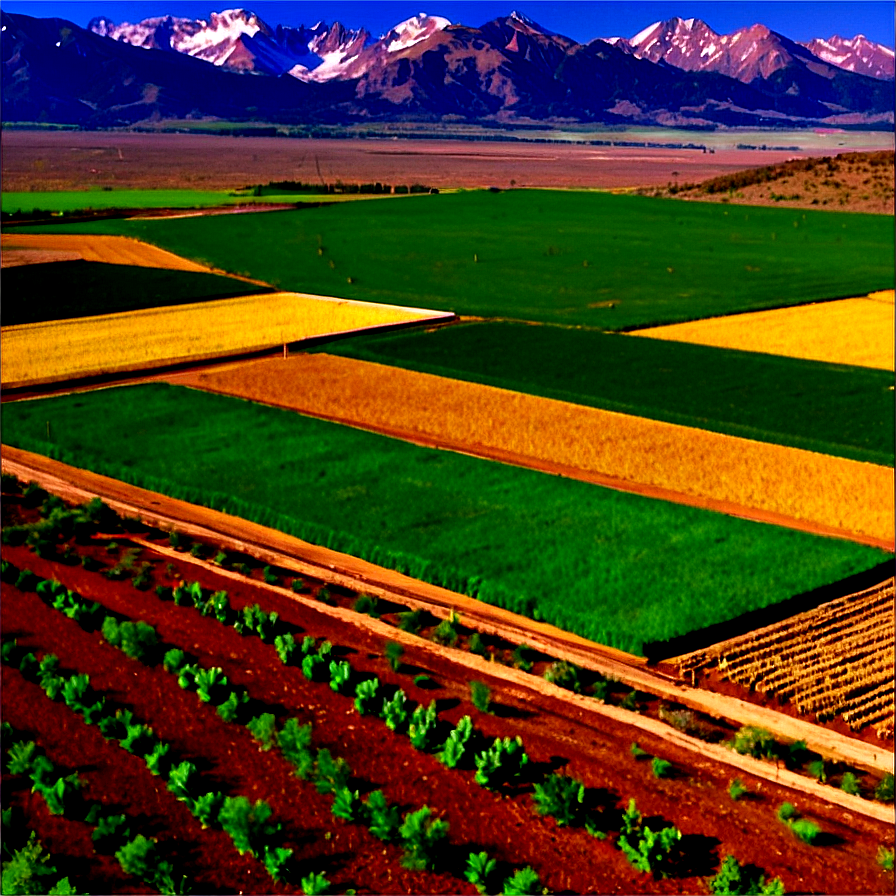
x=840, y=496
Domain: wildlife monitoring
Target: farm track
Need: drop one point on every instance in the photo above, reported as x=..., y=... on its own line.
x=339, y=569
x=376, y=398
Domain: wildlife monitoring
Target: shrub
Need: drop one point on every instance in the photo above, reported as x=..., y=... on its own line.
x=805, y=830
x=275, y=859
x=661, y=768
x=182, y=780
x=757, y=742
x=523, y=882
x=174, y=540
x=138, y=857
x=423, y=728
x=111, y=833
x=477, y=645
x=884, y=790
x=564, y=675
x=207, y=808
x=111, y=631
x=394, y=712
x=647, y=850
x=561, y=797
x=366, y=696
x=21, y=757
x=174, y=660
x=315, y=884
x=885, y=858
x=346, y=804
x=523, y=656
x=157, y=760
x=446, y=633
x=737, y=789
x=229, y=710
x=480, y=870
x=368, y=605
x=247, y=823
x=75, y=691
x=480, y=695
x=384, y=819
x=455, y=746
x=818, y=770
x=340, y=676
x=733, y=880
x=294, y=741
x=849, y=783
x=298, y=586
x=787, y=812
x=220, y=558
x=30, y=870
x=421, y=836
x=138, y=639
x=142, y=578
x=264, y=729
x=270, y=577
x=501, y=763
x=285, y=645
x=313, y=667
x=330, y=775
x=411, y=621
x=394, y=653
x=637, y=752
x=211, y=685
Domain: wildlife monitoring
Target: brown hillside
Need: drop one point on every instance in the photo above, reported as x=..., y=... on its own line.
x=854, y=181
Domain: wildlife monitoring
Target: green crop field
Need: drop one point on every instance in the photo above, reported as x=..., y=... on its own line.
x=828, y=408
x=68, y=289
x=79, y=200
x=592, y=259
x=618, y=568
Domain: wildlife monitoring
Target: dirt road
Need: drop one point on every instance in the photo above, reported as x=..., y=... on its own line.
x=276, y=548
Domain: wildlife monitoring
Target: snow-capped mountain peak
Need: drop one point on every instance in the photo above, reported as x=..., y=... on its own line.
x=412, y=31
x=856, y=54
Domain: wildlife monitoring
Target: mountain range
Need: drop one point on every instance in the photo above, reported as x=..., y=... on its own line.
x=236, y=66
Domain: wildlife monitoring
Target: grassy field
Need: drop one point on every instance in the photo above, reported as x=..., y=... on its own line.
x=593, y=259
x=829, y=408
x=69, y=289
x=614, y=567
x=89, y=346
x=849, y=331
x=843, y=494
x=78, y=200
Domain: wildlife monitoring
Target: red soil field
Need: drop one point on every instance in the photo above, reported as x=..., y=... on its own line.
x=555, y=733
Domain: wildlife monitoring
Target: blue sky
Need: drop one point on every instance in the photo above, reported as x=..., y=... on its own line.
x=581, y=20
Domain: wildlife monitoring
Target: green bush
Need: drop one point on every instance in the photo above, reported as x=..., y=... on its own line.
x=884, y=790
x=294, y=741
x=230, y=709
x=174, y=660
x=477, y=645
x=561, y=797
x=480, y=870
x=423, y=729
x=139, y=740
x=264, y=729
x=31, y=871
x=111, y=833
x=446, y=633
x=787, y=813
x=805, y=830
x=275, y=860
x=647, y=850
x=637, y=752
x=501, y=763
x=524, y=882
x=753, y=741
x=366, y=697
x=247, y=823
x=736, y=789
x=885, y=858
x=340, y=676
x=330, y=775
x=315, y=884
x=661, y=768
x=211, y=685
x=298, y=585
x=157, y=761
x=523, y=657
x=849, y=783
x=369, y=605
x=286, y=647
x=384, y=819
x=481, y=696
x=207, y=808
x=138, y=640
x=564, y=675
x=395, y=712
x=182, y=781
x=394, y=653
x=452, y=752
x=346, y=804
x=313, y=667
x=421, y=836
x=411, y=621
x=733, y=879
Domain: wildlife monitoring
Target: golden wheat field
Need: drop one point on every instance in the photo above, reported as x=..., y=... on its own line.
x=847, y=331
x=109, y=249
x=55, y=350
x=829, y=491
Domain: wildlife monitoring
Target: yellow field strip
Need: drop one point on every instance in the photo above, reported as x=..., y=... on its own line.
x=843, y=495
x=847, y=331
x=57, y=350
x=109, y=249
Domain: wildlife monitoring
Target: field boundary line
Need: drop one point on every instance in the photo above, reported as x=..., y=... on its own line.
x=342, y=569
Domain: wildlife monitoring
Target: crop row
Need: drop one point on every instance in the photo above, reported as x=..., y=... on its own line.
x=837, y=660
x=648, y=849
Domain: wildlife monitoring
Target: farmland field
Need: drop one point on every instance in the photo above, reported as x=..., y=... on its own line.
x=89, y=346
x=828, y=408
x=849, y=331
x=845, y=495
x=617, y=568
x=71, y=289
x=586, y=259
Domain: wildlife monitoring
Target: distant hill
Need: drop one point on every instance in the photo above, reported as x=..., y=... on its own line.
x=852, y=181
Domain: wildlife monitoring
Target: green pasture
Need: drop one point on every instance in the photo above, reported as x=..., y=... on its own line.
x=586, y=259
x=618, y=568
x=68, y=289
x=67, y=201
x=828, y=408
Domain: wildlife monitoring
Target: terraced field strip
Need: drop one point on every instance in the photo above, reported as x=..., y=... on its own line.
x=110, y=249
x=306, y=559
x=855, y=331
x=835, y=660
x=59, y=350
x=839, y=496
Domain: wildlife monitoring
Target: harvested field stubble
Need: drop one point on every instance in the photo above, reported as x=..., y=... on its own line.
x=845, y=494
x=46, y=352
x=849, y=331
